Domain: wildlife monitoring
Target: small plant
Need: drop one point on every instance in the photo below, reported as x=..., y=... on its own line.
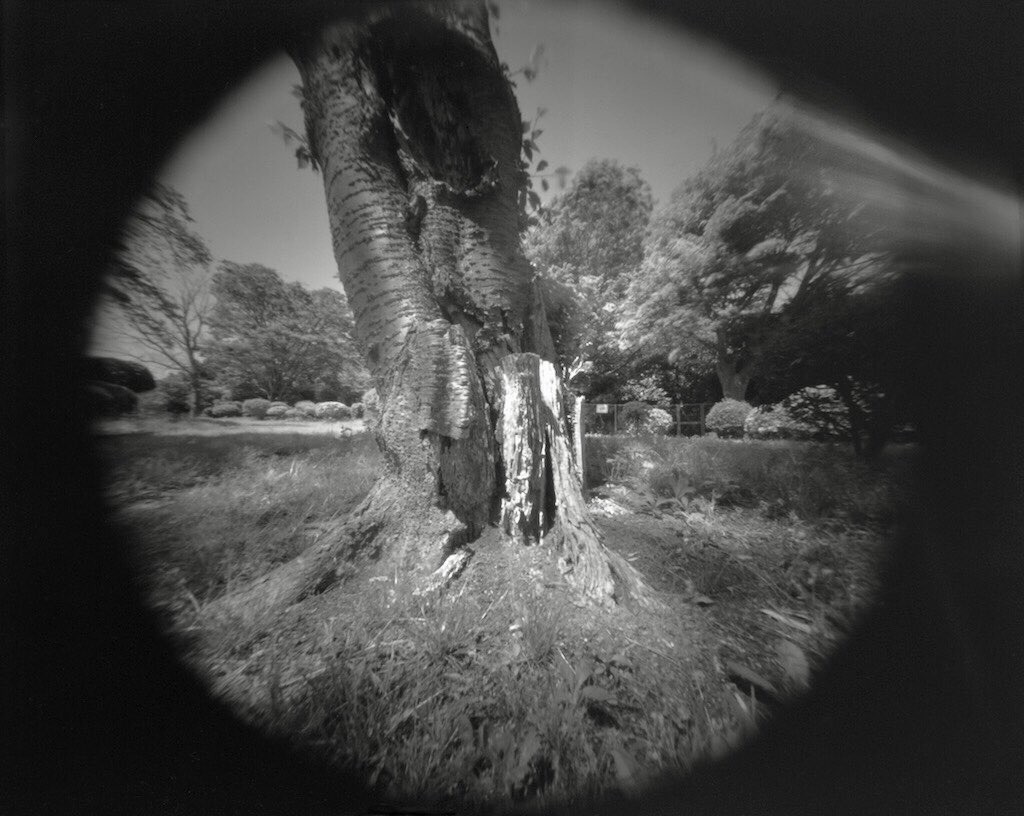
x=256, y=408
x=332, y=410
x=278, y=411
x=295, y=413
x=726, y=418
x=371, y=403
x=641, y=419
x=357, y=410
x=307, y=407
x=108, y=399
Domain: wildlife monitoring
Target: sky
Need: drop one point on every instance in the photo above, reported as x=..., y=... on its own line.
x=615, y=85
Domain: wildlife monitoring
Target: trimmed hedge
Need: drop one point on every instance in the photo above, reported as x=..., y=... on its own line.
x=125, y=373
x=256, y=408
x=332, y=410
x=726, y=418
x=110, y=400
x=225, y=409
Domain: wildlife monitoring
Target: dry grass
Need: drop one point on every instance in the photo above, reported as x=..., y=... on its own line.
x=503, y=691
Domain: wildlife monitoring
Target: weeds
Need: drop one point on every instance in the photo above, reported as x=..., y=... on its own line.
x=501, y=691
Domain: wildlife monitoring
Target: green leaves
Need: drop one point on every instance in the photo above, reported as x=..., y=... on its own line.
x=276, y=335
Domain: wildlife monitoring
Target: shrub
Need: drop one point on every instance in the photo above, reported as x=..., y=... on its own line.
x=225, y=409
x=775, y=422
x=307, y=407
x=371, y=403
x=820, y=409
x=357, y=410
x=726, y=418
x=108, y=399
x=295, y=413
x=279, y=404
x=176, y=391
x=256, y=408
x=277, y=411
x=641, y=419
x=133, y=376
x=332, y=410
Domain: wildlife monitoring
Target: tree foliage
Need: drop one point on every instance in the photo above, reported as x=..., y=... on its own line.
x=159, y=282
x=279, y=338
x=769, y=226
x=586, y=248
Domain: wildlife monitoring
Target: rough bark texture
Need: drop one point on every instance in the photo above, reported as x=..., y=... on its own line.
x=417, y=134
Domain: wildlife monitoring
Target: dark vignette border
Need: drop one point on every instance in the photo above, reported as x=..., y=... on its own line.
x=923, y=712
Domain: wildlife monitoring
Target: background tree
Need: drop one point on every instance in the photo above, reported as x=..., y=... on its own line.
x=586, y=247
x=159, y=286
x=417, y=134
x=772, y=223
x=277, y=339
x=857, y=345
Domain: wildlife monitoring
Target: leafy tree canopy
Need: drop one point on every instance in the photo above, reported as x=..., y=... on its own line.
x=279, y=338
x=586, y=249
x=772, y=224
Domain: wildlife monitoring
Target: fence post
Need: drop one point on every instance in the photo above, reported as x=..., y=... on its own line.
x=580, y=442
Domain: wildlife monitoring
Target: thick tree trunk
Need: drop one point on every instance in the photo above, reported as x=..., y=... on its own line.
x=734, y=383
x=417, y=135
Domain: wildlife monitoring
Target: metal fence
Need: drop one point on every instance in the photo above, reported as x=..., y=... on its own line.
x=607, y=418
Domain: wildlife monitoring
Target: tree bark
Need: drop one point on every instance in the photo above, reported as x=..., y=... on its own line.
x=417, y=135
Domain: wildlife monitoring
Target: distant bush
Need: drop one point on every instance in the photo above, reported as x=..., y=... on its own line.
x=820, y=409
x=256, y=408
x=641, y=419
x=726, y=418
x=225, y=409
x=277, y=403
x=277, y=411
x=133, y=376
x=371, y=403
x=110, y=400
x=307, y=407
x=295, y=413
x=332, y=410
x=775, y=422
x=357, y=410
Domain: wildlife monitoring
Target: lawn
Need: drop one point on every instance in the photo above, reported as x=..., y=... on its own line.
x=504, y=690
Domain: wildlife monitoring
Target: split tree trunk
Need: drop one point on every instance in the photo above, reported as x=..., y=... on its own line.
x=417, y=134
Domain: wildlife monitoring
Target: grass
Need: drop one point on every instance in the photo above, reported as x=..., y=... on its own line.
x=503, y=691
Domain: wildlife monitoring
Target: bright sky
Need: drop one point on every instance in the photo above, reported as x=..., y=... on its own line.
x=615, y=85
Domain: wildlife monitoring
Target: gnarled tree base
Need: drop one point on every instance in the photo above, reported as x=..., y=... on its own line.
x=389, y=526
x=543, y=489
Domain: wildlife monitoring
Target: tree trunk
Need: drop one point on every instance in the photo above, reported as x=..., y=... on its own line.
x=734, y=383
x=733, y=374
x=417, y=135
